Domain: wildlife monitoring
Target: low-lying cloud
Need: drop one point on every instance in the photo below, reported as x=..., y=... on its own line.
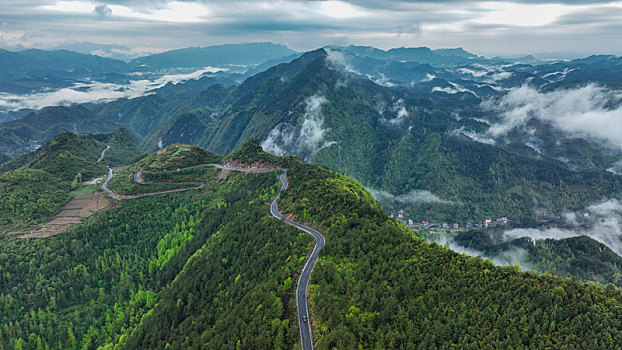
x=590, y=111
x=473, y=135
x=399, y=108
x=93, y=91
x=454, y=89
x=512, y=256
x=305, y=139
x=338, y=61
x=601, y=221
x=412, y=197
x=488, y=74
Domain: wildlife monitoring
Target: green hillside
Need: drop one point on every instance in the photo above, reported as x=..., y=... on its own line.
x=185, y=128
x=211, y=268
x=36, y=185
x=63, y=157
x=30, y=196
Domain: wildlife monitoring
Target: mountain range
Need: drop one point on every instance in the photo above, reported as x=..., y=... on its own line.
x=523, y=156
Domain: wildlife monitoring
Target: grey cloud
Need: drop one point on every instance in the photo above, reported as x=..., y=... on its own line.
x=102, y=11
x=605, y=16
x=384, y=24
x=409, y=28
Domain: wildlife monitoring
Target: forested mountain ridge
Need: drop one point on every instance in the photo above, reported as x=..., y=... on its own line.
x=211, y=268
x=414, y=132
x=218, y=55
x=398, y=141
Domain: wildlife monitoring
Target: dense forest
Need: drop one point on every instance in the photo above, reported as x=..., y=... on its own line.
x=210, y=268
x=144, y=252
x=379, y=286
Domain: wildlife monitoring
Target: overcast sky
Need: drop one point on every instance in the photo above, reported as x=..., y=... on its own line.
x=483, y=27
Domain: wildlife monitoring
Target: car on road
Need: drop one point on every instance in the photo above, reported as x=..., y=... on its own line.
x=304, y=318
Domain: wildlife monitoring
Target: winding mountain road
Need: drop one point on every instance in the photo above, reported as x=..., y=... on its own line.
x=101, y=157
x=306, y=336
x=303, y=282
x=139, y=181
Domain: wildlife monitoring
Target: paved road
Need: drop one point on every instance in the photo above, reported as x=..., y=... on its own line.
x=303, y=282
x=137, y=179
x=195, y=185
x=101, y=157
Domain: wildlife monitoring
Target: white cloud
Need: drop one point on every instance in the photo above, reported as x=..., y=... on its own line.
x=428, y=77
x=474, y=73
x=382, y=81
x=559, y=75
x=604, y=225
x=305, y=139
x=456, y=88
x=93, y=92
x=521, y=14
x=473, y=135
x=336, y=60
x=401, y=114
x=583, y=112
x=487, y=74
x=175, y=11
x=339, y=9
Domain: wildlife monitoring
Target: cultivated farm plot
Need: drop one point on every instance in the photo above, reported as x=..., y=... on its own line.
x=79, y=208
